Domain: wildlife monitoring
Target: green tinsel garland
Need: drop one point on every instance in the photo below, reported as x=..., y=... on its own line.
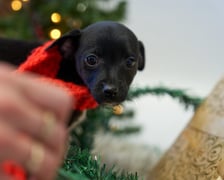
x=178, y=94
x=80, y=165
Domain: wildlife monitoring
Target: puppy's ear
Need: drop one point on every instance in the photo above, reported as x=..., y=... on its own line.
x=68, y=43
x=141, y=62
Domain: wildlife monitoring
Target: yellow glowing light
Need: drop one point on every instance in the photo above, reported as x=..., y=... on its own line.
x=25, y=0
x=55, y=17
x=16, y=5
x=55, y=33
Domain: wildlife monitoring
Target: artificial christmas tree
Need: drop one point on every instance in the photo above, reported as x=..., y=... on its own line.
x=44, y=19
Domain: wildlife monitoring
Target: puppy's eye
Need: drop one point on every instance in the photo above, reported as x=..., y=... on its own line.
x=130, y=62
x=91, y=61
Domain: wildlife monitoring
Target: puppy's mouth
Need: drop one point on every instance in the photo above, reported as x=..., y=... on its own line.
x=110, y=104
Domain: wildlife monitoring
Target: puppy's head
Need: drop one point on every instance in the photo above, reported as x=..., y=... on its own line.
x=106, y=56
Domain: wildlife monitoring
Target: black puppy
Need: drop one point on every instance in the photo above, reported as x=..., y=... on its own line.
x=105, y=57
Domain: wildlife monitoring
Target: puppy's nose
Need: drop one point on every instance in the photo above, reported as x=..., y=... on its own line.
x=110, y=91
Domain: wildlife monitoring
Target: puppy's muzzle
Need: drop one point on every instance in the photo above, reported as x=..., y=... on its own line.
x=109, y=94
x=110, y=91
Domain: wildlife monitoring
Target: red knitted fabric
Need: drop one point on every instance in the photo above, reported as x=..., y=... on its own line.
x=46, y=62
x=13, y=170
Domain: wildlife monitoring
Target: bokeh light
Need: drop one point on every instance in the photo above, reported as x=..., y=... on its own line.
x=55, y=17
x=55, y=33
x=16, y=5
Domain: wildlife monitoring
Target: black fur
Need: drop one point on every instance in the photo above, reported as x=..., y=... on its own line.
x=15, y=51
x=115, y=54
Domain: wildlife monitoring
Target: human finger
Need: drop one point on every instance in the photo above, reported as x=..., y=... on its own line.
x=38, y=160
x=30, y=119
x=45, y=95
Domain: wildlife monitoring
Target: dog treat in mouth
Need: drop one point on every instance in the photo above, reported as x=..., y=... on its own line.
x=118, y=109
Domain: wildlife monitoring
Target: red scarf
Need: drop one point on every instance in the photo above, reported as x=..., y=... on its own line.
x=46, y=62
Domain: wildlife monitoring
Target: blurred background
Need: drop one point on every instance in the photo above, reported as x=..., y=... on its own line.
x=183, y=40
x=184, y=44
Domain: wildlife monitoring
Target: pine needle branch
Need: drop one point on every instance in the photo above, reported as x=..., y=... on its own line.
x=80, y=165
x=178, y=94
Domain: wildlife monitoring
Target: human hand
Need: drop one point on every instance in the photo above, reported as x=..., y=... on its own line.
x=33, y=118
